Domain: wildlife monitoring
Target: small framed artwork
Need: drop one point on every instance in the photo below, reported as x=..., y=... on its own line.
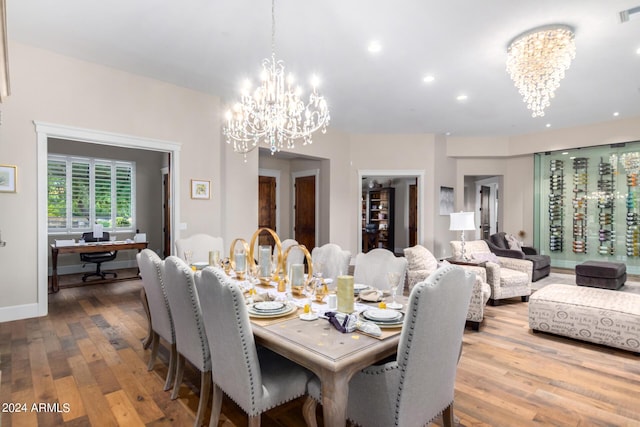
x=8, y=177
x=200, y=189
x=446, y=200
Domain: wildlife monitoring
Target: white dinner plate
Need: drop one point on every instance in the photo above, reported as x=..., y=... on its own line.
x=382, y=315
x=387, y=324
x=200, y=265
x=269, y=306
x=357, y=287
x=288, y=309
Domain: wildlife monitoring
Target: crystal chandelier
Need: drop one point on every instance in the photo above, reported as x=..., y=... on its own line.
x=274, y=113
x=537, y=60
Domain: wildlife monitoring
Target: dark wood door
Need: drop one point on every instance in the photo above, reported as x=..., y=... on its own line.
x=267, y=207
x=413, y=214
x=485, y=211
x=305, y=211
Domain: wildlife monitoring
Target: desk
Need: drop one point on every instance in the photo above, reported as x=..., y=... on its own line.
x=79, y=248
x=333, y=356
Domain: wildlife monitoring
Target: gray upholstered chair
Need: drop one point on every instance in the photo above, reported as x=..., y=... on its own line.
x=499, y=245
x=191, y=339
x=152, y=270
x=199, y=245
x=255, y=380
x=507, y=277
x=335, y=261
x=421, y=263
x=371, y=268
x=419, y=385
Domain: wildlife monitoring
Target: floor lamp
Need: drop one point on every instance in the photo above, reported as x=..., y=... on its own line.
x=462, y=221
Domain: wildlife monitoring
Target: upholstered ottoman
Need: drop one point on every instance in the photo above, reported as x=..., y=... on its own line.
x=601, y=274
x=601, y=316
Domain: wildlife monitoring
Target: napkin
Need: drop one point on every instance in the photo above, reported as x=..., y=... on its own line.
x=347, y=323
x=258, y=297
x=371, y=295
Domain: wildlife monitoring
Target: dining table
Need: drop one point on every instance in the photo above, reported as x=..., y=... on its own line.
x=334, y=357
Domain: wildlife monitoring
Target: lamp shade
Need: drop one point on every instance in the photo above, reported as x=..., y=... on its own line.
x=461, y=221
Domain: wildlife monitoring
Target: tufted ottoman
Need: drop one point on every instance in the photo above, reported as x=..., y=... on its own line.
x=596, y=315
x=601, y=274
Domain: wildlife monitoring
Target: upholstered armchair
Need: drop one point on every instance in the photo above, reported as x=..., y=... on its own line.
x=421, y=263
x=507, y=277
x=499, y=245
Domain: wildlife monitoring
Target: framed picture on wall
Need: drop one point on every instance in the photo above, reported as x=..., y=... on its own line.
x=200, y=189
x=446, y=200
x=8, y=177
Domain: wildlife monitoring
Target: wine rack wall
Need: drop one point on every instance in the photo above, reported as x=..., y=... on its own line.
x=606, y=206
x=556, y=206
x=633, y=234
x=580, y=204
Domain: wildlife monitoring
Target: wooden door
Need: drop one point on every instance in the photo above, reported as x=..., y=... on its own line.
x=305, y=211
x=413, y=215
x=267, y=207
x=485, y=212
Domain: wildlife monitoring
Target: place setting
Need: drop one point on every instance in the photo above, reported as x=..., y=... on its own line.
x=271, y=309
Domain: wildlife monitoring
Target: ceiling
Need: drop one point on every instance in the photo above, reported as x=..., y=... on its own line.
x=212, y=45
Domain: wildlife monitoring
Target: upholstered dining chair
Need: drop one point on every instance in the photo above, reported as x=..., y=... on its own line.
x=419, y=385
x=191, y=340
x=371, y=268
x=257, y=380
x=152, y=270
x=334, y=260
x=296, y=256
x=200, y=245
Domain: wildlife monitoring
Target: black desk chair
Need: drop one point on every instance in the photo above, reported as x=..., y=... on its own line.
x=97, y=257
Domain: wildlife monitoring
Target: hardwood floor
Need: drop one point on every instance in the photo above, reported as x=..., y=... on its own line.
x=86, y=355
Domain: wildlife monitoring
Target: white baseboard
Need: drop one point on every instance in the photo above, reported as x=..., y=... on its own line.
x=85, y=268
x=17, y=312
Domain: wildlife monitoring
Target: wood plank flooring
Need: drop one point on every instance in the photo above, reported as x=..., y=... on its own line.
x=86, y=356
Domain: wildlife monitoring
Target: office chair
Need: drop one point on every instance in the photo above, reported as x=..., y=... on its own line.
x=97, y=257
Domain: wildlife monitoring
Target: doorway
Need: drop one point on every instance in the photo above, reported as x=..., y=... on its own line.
x=44, y=131
x=267, y=208
x=408, y=222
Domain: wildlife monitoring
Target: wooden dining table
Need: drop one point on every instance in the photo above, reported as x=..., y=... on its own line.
x=333, y=356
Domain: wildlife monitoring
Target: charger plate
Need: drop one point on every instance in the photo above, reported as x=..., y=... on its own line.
x=288, y=309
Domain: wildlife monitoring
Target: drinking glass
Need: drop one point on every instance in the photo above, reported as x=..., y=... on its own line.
x=394, y=280
x=188, y=257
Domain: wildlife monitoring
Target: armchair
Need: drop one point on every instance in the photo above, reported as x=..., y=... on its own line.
x=507, y=277
x=421, y=263
x=499, y=245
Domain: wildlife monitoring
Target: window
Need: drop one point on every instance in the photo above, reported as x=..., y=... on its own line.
x=83, y=192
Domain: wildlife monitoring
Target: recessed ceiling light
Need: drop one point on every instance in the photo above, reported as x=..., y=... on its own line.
x=549, y=125
x=616, y=114
x=448, y=133
x=462, y=97
x=638, y=51
x=374, y=46
x=428, y=78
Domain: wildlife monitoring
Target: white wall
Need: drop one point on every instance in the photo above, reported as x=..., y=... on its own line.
x=51, y=88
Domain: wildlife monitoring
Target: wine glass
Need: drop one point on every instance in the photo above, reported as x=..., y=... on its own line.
x=188, y=257
x=394, y=280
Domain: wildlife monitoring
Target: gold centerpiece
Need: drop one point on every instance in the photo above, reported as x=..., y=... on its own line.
x=266, y=280
x=298, y=289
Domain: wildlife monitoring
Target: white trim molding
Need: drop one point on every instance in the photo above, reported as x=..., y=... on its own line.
x=418, y=173
x=44, y=131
